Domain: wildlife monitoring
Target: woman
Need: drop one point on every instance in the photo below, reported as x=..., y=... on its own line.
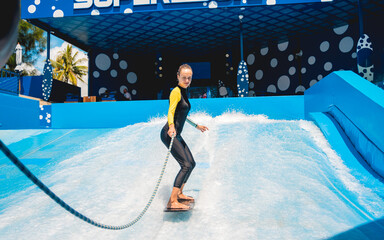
x=179, y=107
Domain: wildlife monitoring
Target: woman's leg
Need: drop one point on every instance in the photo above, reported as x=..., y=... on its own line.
x=181, y=156
x=178, y=153
x=193, y=164
x=191, y=161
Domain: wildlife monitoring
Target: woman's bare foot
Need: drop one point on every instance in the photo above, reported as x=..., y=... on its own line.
x=173, y=202
x=182, y=197
x=177, y=205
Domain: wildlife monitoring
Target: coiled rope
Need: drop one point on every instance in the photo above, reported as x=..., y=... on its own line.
x=52, y=195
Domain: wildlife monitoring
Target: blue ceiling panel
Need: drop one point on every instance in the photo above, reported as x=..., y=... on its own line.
x=212, y=28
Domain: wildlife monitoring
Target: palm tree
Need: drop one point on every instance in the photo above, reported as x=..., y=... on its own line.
x=67, y=68
x=34, y=42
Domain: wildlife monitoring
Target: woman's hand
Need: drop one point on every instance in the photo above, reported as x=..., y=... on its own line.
x=202, y=128
x=172, y=130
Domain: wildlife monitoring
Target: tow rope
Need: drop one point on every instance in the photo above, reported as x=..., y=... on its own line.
x=54, y=197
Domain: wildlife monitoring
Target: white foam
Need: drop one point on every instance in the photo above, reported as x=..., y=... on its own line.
x=366, y=196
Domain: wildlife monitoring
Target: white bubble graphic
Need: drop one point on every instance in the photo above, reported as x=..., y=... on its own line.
x=311, y=60
x=32, y=9
x=102, y=90
x=300, y=89
x=132, y=77
x=271, y=89
x=346, y=44
x=213, y=4
x=128, y=10
x=96, y=74
x=324, y=46
x=328, y=66
x=250, y=59
x=223, y=91
x=292, y=70
x=122, y=89
x=312, y=82
x=259, y=74
x=264, y=51
x=341, y=30
x=283, y=46
x=113, y=73
x=102, y=61
x=123, y=64
x=58, y=13
x=274, y=62
x=95, y=12
x=283, y=83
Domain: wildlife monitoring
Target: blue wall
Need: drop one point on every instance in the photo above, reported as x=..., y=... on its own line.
x=9, y=85
x=360, y=113
x=31, y=86
x=360, y=100
x=119, y=114
x=18, y=113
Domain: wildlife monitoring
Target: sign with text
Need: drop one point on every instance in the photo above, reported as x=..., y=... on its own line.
x=31, y=9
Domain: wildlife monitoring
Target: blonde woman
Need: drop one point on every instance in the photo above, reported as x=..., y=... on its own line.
x=179, y=107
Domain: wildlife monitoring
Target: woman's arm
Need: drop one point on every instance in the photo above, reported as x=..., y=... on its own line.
x=174, y=99
x=199, y=127
x=191, y=122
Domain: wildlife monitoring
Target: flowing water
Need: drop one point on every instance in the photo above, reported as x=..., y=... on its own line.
x=255, y=178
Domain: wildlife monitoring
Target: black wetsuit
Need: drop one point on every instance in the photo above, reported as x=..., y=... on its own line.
x=180, y=150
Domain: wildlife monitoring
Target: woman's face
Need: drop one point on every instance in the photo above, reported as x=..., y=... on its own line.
x=185, y=77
